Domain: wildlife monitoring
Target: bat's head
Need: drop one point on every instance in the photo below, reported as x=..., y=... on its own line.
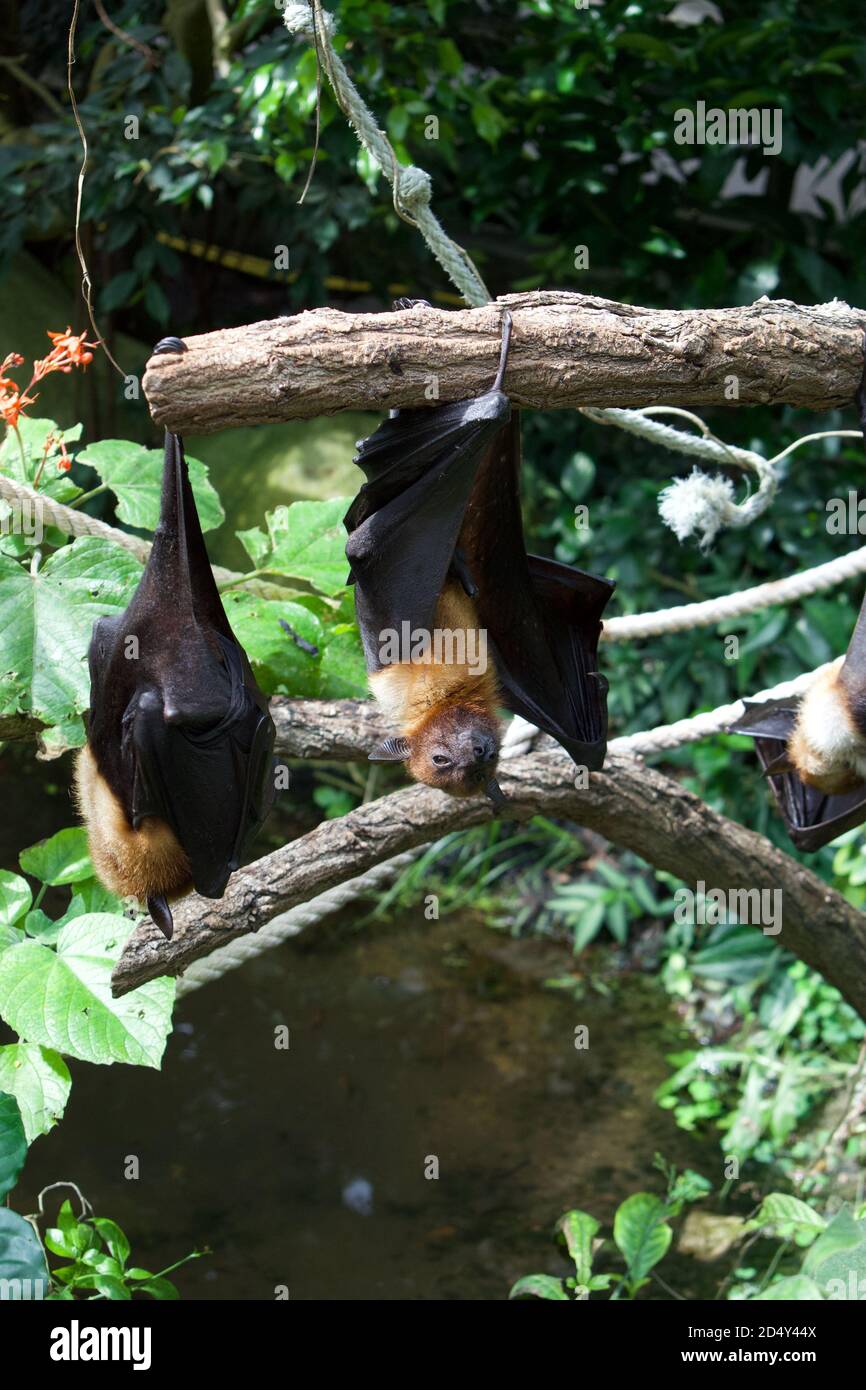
x=456, y=749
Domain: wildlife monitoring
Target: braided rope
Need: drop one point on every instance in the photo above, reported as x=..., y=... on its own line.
x=75, y=523
x=737, y=605
x=412, y=186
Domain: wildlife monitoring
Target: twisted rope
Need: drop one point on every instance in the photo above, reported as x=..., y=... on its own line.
x=75, y=523
x=412, y=187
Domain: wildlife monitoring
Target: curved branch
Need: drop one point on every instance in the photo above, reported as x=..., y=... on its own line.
x=630, y=804
x=569, y=350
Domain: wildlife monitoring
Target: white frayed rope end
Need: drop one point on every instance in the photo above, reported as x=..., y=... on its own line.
x=699, y=505
x=298, y=19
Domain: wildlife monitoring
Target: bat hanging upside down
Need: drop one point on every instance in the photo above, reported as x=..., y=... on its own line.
x=177, y=772
x=456, y=619
x=813, y=747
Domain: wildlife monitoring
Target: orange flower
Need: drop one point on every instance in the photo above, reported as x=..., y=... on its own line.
x=12, y=403
x=69, y=350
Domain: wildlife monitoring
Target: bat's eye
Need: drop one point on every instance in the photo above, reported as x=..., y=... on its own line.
x=439, y=760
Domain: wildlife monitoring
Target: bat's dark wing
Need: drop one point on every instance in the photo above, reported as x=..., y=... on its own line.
x=212, y=782
x=812, y=818
x=404, y=523
x=178, y=725
x=543, y=618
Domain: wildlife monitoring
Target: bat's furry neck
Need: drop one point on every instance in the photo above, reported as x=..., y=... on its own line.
x=413, y=692
x=826, y=748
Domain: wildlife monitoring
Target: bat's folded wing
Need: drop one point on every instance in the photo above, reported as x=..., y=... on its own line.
x=404, y=523
x=811, y=816
x=213, y=785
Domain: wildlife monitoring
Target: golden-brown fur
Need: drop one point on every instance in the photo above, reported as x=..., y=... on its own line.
x=444, y=705
x=826, y=749
x=131, y=863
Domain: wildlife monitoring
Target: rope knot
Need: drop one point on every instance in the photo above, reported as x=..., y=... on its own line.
x=415, y=189
x=298, y=19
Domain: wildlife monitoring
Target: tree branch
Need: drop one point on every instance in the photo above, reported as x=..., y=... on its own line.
x=630, y=804
x=569, y=350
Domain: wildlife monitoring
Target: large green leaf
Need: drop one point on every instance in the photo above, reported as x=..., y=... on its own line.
x=278, y=662
x=15, y=898
x=13, y=1142
x=641, y=1232
x=63, y=999
x=46, y=621
x=39, y=1080
x=306, y=540
x=134, y=475
x=23, y=1271
x=63, y=858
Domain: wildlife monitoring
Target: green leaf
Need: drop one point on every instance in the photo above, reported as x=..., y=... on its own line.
x=641, y=1233
x=579, y=1228
x=134, y=475
x=306, y=540
x=13, y=1143
x=39, y=1080
x=114, y=1238
x=42, y=927
x=63, y=999
x=15, y=897
x=785, y=1215
x=23, y=1271
x=46, y=620
x=277, y=660
x=63, y=858
x=539, y=1286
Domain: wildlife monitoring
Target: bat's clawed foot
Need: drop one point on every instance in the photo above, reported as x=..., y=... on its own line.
x=160, y=911
x=169, y=345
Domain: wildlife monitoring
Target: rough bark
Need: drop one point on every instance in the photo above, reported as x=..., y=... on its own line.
x=568, y=350
x=630, y=804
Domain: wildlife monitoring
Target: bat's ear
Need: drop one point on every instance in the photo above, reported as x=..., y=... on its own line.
x=391, y=750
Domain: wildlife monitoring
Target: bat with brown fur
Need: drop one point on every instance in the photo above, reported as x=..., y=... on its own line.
x=176, y=775
x=456, y=619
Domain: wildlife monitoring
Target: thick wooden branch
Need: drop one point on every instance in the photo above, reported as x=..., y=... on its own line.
x=568, y=350
x=632, y=805
x=331, y=731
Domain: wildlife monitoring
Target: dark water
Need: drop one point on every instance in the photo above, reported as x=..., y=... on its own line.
x=306, y=1167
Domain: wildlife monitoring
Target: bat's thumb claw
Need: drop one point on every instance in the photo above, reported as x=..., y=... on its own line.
x=160, y=911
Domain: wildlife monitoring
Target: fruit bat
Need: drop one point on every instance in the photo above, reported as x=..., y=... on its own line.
x=443, y=582
x=176, y=775
x=813, y=747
